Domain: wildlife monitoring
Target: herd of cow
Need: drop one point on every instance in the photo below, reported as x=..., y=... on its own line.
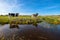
x=17, y=14
x=13, y=14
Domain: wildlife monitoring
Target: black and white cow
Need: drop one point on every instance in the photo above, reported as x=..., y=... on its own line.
x=35, y=15
x=13, y=14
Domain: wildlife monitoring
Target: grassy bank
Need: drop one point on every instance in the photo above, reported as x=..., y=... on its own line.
x=29, y=19
x=52, y=19
x=19, y=20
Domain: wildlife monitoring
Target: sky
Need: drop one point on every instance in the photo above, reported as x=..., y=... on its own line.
x=29, y=7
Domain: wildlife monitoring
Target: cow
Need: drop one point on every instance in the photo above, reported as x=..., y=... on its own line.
x=13, y=14
x=35, y=15
x=17, y=14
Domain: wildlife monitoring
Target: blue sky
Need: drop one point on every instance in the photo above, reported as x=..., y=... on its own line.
x=28, y=7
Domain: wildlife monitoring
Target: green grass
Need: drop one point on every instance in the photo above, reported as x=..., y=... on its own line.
x=19, y=20
x=52, y=19
x=30, y=20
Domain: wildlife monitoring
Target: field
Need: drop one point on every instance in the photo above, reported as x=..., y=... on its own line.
x=26, y=19
x=52, y=19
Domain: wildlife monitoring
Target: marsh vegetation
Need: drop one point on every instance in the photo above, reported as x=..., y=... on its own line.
x=30, y=28
x=29, y=19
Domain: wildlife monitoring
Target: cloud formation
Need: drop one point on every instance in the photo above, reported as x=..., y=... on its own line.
x=30, y=6
x=7, y=6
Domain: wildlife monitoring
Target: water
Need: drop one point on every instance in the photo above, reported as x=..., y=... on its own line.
x=42, y=31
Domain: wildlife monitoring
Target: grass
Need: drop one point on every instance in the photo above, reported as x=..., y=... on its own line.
x=4, y=20
x=18, y=20
x=52, y=19
x=29, y=19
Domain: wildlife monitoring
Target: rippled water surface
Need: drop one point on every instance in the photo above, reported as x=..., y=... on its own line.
x=42, y=31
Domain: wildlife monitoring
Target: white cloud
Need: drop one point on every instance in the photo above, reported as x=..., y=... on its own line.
x=7, y=6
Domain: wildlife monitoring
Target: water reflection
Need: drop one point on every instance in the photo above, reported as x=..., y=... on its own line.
x=42, y=31
x=35, y=25
x=14, y=26
x=17, y=26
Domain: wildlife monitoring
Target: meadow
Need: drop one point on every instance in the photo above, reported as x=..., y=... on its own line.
x=52, y=19
x=29, y=20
